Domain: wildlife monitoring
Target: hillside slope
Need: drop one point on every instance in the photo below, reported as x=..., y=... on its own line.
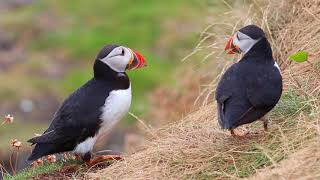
x=304, y=164
x=196, y=148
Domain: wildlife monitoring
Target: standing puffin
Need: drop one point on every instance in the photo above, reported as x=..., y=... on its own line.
x=250, y=88
x=93, y=109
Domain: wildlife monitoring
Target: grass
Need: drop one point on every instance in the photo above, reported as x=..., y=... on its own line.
x=65, y=36
x=41, y=169
x=196, y=148
x=290, y=104
x=30, y=172
x=62, y=169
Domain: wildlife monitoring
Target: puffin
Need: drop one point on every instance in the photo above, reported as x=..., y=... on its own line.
x=250, y=88
x=93, y=109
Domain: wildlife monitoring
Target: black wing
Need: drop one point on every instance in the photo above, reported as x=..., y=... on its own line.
x=76, y=120
x=265, y=89
x=246, y=93
x=225, y=95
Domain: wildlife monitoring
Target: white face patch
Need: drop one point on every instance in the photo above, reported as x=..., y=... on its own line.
x=118, y=58
x=243, y=41
x=277, y=66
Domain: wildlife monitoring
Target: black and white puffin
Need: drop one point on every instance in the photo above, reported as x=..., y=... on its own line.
x=94, y=108
x=250, y=88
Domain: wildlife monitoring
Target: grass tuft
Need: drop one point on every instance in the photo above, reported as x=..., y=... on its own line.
x=290, y=104
x=31, y=172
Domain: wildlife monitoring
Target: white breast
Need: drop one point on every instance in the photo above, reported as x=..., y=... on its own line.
x=116, y=106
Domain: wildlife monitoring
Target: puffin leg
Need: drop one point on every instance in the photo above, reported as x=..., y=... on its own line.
x=84, y=157
x=102, y=158
x=77, y=157
x=232, y=132
x=265, y=123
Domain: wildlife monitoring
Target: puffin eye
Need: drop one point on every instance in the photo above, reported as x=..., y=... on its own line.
x=122, y=52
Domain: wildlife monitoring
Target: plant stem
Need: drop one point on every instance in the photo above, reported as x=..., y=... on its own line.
x=3, y=170
x=10, y=162
x=15, y=165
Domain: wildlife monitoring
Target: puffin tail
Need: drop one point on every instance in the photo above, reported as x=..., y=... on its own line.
x=39, y=151
x=45, y=144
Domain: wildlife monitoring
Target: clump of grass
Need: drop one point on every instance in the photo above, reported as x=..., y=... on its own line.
x=290, y=104
x=15, y=148
x=196, y=148
x=46, y=167
x=299, y=165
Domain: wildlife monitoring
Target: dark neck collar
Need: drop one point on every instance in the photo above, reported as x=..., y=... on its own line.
x=104, y=73
x=261, y=49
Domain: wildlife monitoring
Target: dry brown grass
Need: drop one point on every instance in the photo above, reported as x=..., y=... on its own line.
x=196, y=148
x=170, y=104
x=304, y=164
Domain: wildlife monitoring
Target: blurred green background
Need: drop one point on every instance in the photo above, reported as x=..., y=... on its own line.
x=47, y=49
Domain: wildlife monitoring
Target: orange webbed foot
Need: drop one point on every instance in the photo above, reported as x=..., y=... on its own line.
x=103, y=158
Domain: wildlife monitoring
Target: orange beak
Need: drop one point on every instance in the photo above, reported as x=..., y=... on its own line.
x=137, y=61
x=230, y=47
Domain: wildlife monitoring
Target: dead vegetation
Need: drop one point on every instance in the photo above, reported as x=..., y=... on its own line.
x=169, y=104
x=304, y=164
x=196, y=148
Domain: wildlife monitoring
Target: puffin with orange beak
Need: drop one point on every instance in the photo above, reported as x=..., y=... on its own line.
x=250, y=88
x=93, y=109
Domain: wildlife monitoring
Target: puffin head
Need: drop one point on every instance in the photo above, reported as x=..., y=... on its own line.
x=120, y=58
x=244, y=39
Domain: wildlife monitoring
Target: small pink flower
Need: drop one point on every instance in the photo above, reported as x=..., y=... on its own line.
x=15, y=143
x=8, y=119
x=37, y=163
x=51, y=158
